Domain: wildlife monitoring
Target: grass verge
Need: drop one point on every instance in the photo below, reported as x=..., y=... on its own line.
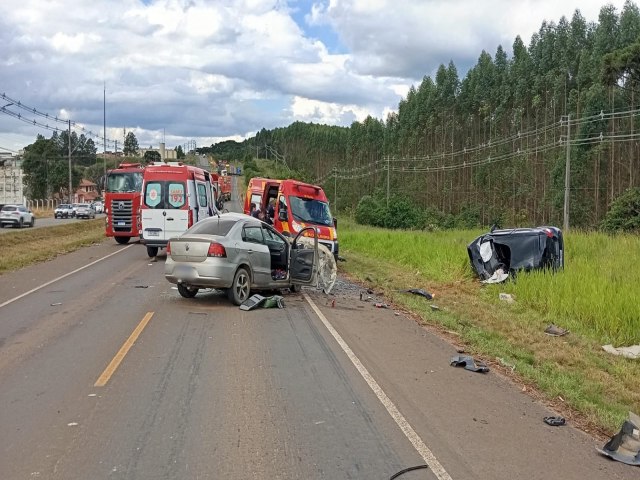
x=595, y=297
x=29, y=246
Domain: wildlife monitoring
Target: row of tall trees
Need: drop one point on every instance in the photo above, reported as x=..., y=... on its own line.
x=495, y=141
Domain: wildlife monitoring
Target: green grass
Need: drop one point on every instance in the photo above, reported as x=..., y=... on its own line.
x=29, y=246
x=595, y=297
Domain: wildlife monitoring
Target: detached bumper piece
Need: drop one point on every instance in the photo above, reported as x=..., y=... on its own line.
x=624, y=446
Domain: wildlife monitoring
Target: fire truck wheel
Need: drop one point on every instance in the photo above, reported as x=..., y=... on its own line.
x=187, y=292
x=122, y=240
x=240, y=288
x=152, y=251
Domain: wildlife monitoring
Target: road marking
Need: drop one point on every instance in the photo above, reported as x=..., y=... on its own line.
x=62, y=276
x=115, y=362
x=408, y=431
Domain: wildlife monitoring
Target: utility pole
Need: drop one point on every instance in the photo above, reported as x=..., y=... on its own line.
x=104, y=130
x=388, y=175
x=70, y=183
x=567, y=172
x=335, y=189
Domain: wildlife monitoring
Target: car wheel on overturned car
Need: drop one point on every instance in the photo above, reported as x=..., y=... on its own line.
x=187, y=292
x=240, y=288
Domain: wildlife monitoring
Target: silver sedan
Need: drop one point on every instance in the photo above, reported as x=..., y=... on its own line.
x=239, y=253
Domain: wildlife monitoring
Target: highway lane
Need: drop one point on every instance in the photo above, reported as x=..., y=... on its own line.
x=48, y=222
x=208, y=391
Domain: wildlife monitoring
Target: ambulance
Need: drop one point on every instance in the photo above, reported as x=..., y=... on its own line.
x=296, y=205
x=174, y=197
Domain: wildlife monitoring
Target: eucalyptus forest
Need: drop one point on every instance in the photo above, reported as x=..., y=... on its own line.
x=493, y=145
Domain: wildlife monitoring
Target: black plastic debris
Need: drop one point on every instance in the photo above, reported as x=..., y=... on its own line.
x=554, y=421
x=418, y=291
x=624, y=446
x=516, y=249
x=468, y=363
x=141, y=286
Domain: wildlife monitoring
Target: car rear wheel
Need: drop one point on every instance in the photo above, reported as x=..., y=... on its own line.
x=240, y=288
x=187, y=292
x=122, y=240
x=152, y=251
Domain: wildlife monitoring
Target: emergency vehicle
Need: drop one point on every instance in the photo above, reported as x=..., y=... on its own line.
x=123, y=186
x=174, y=197
x=296, y=205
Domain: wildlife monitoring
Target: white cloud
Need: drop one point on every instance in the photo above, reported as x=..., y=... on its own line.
x=222, y=69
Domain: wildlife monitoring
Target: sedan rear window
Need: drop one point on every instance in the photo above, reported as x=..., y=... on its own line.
x=213, y=226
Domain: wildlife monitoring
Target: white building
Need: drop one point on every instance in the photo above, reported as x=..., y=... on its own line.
x=11, y=185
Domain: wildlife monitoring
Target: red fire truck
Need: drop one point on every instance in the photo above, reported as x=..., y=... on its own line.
x=123, y=190
x=225, y=187
x=296, y=205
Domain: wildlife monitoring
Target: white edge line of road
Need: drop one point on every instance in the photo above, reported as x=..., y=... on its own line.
x=62, y=276
x=409, y=432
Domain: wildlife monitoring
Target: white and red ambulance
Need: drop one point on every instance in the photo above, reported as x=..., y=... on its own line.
x=174, y=197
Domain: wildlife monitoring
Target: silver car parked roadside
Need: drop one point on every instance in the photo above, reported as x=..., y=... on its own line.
x=239, y=253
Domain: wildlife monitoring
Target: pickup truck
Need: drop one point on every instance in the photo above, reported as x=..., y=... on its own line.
x=63, y=210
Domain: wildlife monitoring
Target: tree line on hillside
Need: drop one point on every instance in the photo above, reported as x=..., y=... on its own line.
x=492, y=146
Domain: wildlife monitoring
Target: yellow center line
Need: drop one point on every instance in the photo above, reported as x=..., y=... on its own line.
x=113, y=365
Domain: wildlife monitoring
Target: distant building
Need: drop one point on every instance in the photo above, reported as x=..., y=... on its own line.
x=165, y=154
x=87, y=192
x=11, y=176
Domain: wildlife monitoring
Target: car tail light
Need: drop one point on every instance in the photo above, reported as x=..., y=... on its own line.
x=168, y=248
x=216, y=250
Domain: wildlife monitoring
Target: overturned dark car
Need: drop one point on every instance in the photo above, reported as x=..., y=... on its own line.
x=500, y=253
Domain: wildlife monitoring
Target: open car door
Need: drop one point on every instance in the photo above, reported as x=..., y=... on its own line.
x=303, y=258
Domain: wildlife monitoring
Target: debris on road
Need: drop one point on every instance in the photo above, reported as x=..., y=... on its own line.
x=434, y=307
x=511, y=250
x=468, y=363
x=418, y=291
x=506, y=297
x=56, y=304
x=555, y=421
x=72, y=424
x=141, y=286
x=555, y=331
x=624, y=446
x=255, y=301
x=632, y=352
x=381, y=305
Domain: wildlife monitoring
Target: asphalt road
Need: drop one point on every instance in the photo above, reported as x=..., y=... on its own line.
x=48, y=222
x=109, y=373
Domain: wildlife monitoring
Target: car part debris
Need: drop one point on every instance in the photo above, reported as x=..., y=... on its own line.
x=56, y=304
x=555, y=331
x=468, y=363
x=511, y=250
x=141, y=286
x=434, y=307
x=410, y=469
x=418, y=291
x=255, y=301
x=554, y=421
x=632, y=352
x=381, y=305
x=498, y=276
x=624, y=446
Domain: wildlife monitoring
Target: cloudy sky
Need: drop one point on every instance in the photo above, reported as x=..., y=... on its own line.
x=209, y=70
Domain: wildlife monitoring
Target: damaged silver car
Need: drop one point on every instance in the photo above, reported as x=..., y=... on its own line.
x=500, y=253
